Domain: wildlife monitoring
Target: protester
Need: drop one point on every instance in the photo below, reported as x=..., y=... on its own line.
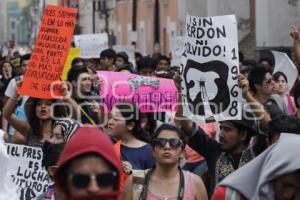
x=63, y=130
x=84, y=101
x=163, y=64
x=146, y=66
x=51, y=153
x=9, y=92
x=262, y=85
x=294, y=32
x=233, y=151
x=275, y=174
x=107, y=60
x=297, y=100
x=88, y=167
x=125, y=126
x=281, y=79
x=282, y=124
x=39, y=123
x=166, y=180
x=6, y=74
x=121, y=59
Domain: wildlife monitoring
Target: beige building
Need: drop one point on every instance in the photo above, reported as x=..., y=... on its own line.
x=144, y=34
x=3, y=21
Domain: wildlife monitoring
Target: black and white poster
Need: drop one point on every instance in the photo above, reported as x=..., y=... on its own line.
x=27, y=173
x=209, y=69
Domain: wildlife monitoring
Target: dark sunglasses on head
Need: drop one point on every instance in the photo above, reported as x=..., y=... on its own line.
x=173, y=143
x=81, y=180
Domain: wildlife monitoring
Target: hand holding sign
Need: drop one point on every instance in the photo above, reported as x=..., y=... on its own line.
x=50, y=53
x=294, y=33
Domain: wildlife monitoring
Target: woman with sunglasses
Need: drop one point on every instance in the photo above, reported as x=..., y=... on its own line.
x=88, y=168
x=166, y=180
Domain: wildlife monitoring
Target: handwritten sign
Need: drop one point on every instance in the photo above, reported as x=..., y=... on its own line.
x=151, y=94
x=25, y=168
x=284, y=64
x=177, y=49
x=91, y=45
x=73, y=53
x=209, y=69
x=50, y=53
x=129, y=50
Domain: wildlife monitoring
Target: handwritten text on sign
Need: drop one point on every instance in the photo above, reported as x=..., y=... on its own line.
x=49, y=53
x=210, y=68
x=26, y=169
x=149, y=93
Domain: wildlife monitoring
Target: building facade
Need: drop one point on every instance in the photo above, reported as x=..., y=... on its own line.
x=145, y=32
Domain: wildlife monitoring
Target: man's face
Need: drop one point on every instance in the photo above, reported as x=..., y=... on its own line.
x=163, y=65
x=24, y=65
x=286, y=187
x=146, y=72
x=119, y=61
x=106, y=63
x=230, y=139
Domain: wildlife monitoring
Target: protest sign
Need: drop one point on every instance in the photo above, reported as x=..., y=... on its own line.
x=209, y=69
x=25, y=168
x=73, y=53
x=284, y=64
x=151, y=94
x=91, y=45
x=177, y=49
x=50, y=53
x=129, y=50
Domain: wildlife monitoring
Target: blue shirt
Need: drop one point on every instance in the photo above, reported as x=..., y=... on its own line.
x=139, y=158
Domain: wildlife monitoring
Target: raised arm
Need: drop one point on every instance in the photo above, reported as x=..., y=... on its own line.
x=8, y=113
x=296, y=36
x=257, y=108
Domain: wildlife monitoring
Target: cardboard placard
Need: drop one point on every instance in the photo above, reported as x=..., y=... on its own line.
x=91, y=45
x=209, y=69
x=50, y=53
x=25, y=168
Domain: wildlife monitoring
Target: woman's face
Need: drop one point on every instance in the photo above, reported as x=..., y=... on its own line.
x=116, y=123
x=282, y=85
x=57, y=135
x=43, y=109
x=7, y=70
x=168, y=148
x=89, y=176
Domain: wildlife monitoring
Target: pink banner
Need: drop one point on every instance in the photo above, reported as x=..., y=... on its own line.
x=151, y=94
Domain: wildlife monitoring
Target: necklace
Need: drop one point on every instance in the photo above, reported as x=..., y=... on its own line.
x=144, y=192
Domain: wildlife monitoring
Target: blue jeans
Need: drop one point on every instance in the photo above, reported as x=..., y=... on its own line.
x=196, y=168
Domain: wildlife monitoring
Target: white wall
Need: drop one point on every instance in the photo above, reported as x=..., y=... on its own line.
x=273, y=21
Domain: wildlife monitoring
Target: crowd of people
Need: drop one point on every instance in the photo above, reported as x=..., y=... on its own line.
x=126, y=154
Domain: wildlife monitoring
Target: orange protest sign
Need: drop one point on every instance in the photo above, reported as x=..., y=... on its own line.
x=50, y=53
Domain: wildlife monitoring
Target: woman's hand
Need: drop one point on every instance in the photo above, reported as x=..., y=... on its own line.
x=127, y=167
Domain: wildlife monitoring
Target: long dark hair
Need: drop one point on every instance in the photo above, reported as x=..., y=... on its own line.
x=36, y=127
x=131, y=113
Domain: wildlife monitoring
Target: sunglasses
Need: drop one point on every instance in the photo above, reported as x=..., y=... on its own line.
x=269, y=81
x=173, y=143
x=81, y=181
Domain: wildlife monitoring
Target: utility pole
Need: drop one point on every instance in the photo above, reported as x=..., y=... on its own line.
x=134, y=17
x=156, y=27
x=94, y=11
